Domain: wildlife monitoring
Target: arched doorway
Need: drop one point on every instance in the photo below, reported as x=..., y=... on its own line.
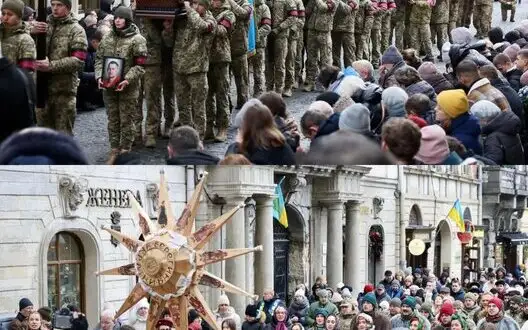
x=416, y=229
x=442, y=248
x=281, y=251
x=65, y=265
x=376, y=240
x=298, y=254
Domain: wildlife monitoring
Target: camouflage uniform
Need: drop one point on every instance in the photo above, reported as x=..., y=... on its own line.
x=284, y=17
x=263, y=23
x=465, y=11
x=130, y=45
x=169, y=109
x=319, y=41
x=386, y=26
x=508, y=5
x=301, y=48
x=67, y=46
x=363, y=28
x=192, y=42
x=398, y=23
x=454, y=9
x=18, y=46
x=482, y=17
x=294, y=38
x=375, y=34
x=239, y=49
x=217, y=105
x=343, y=33
x=440, y=22
x=419, y=30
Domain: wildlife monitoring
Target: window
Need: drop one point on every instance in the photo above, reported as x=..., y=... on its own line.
x=65, y=271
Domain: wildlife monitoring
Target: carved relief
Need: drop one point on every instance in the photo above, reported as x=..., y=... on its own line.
x=213, y=256
x=203, y=232
x=377, y=206
x=72, y=194
x=209, y=281
x=115, y=217
x=127, y=270
x=152, y=200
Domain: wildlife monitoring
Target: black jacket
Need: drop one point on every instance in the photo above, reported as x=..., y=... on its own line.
x=259, y=156
x=502, y=143
x=371, y=98
x=513, y=98
x=293, y=141
x=329, y=126
x=193, y=157
x=17, y=95
x=514, y=78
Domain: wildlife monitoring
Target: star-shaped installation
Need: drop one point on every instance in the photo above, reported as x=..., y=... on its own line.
x=170, y=263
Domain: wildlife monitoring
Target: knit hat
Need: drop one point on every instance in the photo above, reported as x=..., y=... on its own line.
x=472, y=296
x=223, y=300
x=409, y=301
x=346, y=302
x=165, y=322
x=299, y=292
x=41, y=146
x=336, y=298
x=427, y=307
x=427, y=69
x=329, y=97
x=368, y=288
x=321, y=311
x=485, y=109
x=516, y=299
x=67, y=3
x=16, y=6
x=193, y=315
x=355, y=118
x=396, y=302
x=446, y=309
x=511, y=51
x=323, y=293
x=370, y=298
x=384, y=305
x=445, y=289
x=252, y=310
x=380, y=286
x=461, y=36
x=123, y=12
x=345, y=293
x=497, y=302
x=433, y=145
x=28, y=12
x=394, y=99
x=321, y=107
x=205, y=3
x=340, y=285
x=366, y=317
x=395, y=282
x=391, y=56
x=496, y=35
x=453, y=103
x=23, y=303
x=388, y=272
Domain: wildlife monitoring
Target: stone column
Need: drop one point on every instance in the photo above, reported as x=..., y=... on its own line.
x=334, y=256
x=264, y=275
x=235, y=268
x=353, y=244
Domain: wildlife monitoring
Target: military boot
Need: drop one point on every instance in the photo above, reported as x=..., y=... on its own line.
x=222, y=135
x=150, y=141
x=287, y=92
x=512, y=15
x=295, y=85
x=112, y=158
x=209, y=134
x=308, y=87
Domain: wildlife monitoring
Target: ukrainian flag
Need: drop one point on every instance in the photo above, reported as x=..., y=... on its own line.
x=455, y=215
x=252, y=32
x=279, y=207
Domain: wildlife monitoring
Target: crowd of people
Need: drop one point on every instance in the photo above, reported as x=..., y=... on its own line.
x=411, y=299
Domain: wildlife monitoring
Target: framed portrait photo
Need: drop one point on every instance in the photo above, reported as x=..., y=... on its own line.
x=112, y=71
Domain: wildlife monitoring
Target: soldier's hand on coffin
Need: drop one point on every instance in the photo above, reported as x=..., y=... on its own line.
x=122, y=85
x=39, y=27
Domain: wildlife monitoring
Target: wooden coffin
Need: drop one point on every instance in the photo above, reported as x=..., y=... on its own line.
x=155, y=8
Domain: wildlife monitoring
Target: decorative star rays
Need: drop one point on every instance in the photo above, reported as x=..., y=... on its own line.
x=170, y=263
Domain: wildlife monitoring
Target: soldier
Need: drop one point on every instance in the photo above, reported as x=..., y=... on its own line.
x=375, y=33
x=217, y=105
x=125, y=42
x=15, y=42
x=343, y=33
x=263, y=22
x=169, y=109
x=294, y=38
x=508, y=5
x=439, y=23
x=482, y=17
x=239, y=49
x=151, y=81
x=363, y=28
x=301, y=47
x=454, y=8
x=319, y=41
x=66, y=52
x=285, y=15
x=386, y=26
x=420, y=31
x=194, y=29
x=398, y=23
x=465, y=11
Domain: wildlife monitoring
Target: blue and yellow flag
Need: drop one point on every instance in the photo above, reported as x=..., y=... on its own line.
x=252, y=32
x=456, y=216
x=279, y=207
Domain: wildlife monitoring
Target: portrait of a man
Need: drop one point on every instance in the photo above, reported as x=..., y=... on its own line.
x=112, y=72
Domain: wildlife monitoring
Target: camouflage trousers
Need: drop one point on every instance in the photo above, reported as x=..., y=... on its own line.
x=363, y=39
x=299, y=60
x=454, y=9
x=152, y=91
x=121, y=112
x=217, y=105
x=318, y=53
x=239, y=67
x=276, y=64
x=169, y=104
x=386, y=24
x=482, y=20
x=191, y=92
x=398, y=27
x=138, y=114
x=257, y=62
x=289, y=78
x=59, y=113
x=465, y=11
x=439, y=34
x=346, y=41
x=375, y=39
x=504, y=11
x=420, y=38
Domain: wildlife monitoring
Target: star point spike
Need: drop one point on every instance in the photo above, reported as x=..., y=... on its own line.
x=186, y=221
x=213, y=281
x=197, y=301
x=165, y=212
x=211, y=257
x=157, y=304
x=146, y=225
x=178, y=310
x=130, y=243
x=129, y=269
x=137, y=293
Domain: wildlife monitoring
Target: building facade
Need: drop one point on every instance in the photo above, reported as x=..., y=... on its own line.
x=349, y=224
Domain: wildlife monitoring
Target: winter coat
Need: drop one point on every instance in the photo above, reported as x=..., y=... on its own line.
x=513, y=98
x=502, y=143
x=466, y=129
x=420, y=12
x=299, y=308
x=321, y=17
x=383, y=297
x=20, y=322
x=254, y=325
x=229, y=315
x=381, y=321
x=310, y=314
x=458, y=295
x=193, y=157
x=398, y=322
x=282, y=155
x=268, y=307
x=438, y=81
x=370, y=96
x=221, y=48
x=387, y=79
x=130, y=45
x=329, y=126
x=395, y=293
x=18, y=46
x=422, y=87
x=293, y=141
x=505, y=323
x=346, y=322
x=67, y=46
x=458, y=53
x=514, y=78
x=483, y=90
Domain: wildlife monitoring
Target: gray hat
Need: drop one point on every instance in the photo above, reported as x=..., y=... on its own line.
x=395, y=302
x=355, y=118
x=16, y=6
x=485, y=109
x=391, y=56
x=394, y=99
x=323, y=293
x=461, y=36
x=124, y=12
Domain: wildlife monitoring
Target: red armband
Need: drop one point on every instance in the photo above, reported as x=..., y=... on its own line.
x=265, y=21
x=27, y=64
x=293, y=13
x=382, y=5
x=225, y=23
x=353, y=4
x=140, y=60
x=392, y=5
x=80, y=54
x=301, y=13
x=210, y=27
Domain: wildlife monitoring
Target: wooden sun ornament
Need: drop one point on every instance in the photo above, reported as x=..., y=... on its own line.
x=170, y=263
